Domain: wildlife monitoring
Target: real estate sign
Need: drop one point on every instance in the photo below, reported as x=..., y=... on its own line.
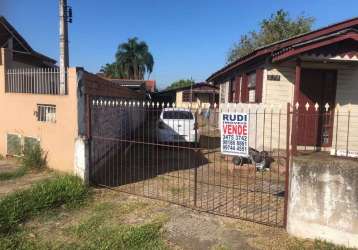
x=235, y=134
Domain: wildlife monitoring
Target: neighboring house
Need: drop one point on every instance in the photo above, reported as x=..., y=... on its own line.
x=23, y=55
x=33, y=110
x=318, y=67
x=199, y=94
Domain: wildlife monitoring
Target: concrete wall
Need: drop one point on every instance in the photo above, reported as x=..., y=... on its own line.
x=323, y=200
x=17, y=117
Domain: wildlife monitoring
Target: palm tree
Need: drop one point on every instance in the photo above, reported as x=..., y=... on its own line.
x=134, y=59
x=113, y=70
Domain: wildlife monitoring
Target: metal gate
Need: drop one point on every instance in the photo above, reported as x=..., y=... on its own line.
x=128, y=153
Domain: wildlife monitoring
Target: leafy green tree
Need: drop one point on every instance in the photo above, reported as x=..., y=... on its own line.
x=278, y=27
x=180, y=84
x=133, y=61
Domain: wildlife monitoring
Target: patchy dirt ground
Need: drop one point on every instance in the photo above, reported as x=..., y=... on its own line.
x=183, y=228
x=8, y=165
x=7, y=186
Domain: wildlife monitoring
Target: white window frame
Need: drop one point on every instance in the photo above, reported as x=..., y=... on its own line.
x=251, y=86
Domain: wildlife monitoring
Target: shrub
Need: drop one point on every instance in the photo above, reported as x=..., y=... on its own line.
x=20, y=205
x=34, y=157
x=2, y=157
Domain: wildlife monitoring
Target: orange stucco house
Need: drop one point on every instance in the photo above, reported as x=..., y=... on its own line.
x=34, y=110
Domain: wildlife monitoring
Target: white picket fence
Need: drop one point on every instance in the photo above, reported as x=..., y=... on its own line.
x=33, y=81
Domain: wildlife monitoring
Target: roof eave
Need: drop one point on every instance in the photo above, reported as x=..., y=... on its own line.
x=23, y=42
x=270, y=48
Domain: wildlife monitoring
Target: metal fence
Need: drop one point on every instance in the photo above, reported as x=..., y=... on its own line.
x=153, y=159
x=325, y=128
x=159, y=156
x=33, y=81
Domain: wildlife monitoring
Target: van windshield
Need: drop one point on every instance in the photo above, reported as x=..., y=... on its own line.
x=183, y=115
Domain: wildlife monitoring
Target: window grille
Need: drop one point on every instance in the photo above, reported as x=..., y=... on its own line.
x=46, y=113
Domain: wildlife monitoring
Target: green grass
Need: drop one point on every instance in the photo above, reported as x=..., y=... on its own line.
x=101, y=228
x=147, y=236
x=316, y=245
x=220, y=247
x=15, y=208
x=99, y=231
x=19, y=172
x=102, y=231
x=176, y=190
x=324, y=245
x=95, y=235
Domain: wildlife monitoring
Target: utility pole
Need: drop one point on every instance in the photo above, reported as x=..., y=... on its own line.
x=191, y=90
x=65, y=17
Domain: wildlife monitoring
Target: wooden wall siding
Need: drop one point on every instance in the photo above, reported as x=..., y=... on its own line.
x=279, y=92
x=224, y=92
x=347, y=97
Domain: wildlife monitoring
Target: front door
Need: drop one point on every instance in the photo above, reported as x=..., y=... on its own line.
x=315, y=127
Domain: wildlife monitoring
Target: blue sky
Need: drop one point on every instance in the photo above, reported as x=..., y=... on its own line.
x=188, y=38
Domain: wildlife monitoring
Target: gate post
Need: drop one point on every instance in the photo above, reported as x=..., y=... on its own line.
x=89, y=136
x=287, y=163
x=196, y=163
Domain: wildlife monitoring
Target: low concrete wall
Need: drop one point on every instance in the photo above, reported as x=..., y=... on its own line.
x=81, y=168
x=323, y=199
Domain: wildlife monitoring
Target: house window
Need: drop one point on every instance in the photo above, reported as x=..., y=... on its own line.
x=238, y=90
x=17, y=144
x=187, y=97
x=46, y=113
x=232, y=90
x=222, y=92
x=13, y=145
x=252, y=86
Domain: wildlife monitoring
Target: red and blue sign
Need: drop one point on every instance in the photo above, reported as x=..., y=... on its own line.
x=235, y=134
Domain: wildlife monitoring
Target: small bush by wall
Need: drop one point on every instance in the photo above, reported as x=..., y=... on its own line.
x=34, y=157
x=17, y=207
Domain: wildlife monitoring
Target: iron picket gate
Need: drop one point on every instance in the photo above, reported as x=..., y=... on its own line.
x=128, y=154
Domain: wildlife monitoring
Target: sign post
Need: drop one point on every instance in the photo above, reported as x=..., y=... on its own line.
x=235, y=134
